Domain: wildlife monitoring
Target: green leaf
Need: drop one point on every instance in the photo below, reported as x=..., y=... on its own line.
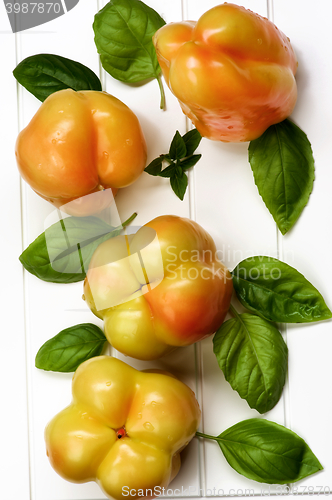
x=123, y=37
x=69, y=348
x=190, y=161
x=177, y=149
x=179, y=183
x=192, y=140
x=169, y=171
x=154, y=168
x=283, y=166
x=267, y=452
x=253, y=357
x=181, y=150
x=277, y=291
x=44, y=74
x=62, y=253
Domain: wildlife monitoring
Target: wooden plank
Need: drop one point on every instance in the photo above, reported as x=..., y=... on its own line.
x=13, y=416
x=307, y=246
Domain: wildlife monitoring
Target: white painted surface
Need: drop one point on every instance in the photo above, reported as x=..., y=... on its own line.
x=223, y=199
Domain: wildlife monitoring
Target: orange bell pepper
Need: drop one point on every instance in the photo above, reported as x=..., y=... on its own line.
x=232, y=72
x=79, y=143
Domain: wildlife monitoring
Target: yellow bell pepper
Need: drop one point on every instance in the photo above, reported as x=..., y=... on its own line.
x=124, y=428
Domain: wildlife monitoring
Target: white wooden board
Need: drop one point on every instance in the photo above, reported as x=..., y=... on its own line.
x=222, y=198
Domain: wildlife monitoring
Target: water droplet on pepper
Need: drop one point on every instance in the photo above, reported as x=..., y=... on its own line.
x=148, y=426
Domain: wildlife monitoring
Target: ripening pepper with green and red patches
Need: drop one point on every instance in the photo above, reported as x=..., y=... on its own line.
x=158, y=289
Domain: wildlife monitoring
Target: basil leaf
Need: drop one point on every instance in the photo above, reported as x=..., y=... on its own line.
x=123, y=37
x=169, y=171
x=277, y=291
x=69, y=348
x=179, y=183
x=62, y=253
x=154, y=168
x=178, y=148
x=253, y=357
x=283, y=166
x=192, y=140
x=267, y=452
x=44, y=74
x=183, y=160
x=190, y=161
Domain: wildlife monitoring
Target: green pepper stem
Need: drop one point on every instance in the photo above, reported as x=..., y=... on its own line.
x=126, y=222
x=162, y=93
x=206, y=436
x=131, y=218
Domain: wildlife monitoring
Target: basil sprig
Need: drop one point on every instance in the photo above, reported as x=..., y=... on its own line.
x=253, y=357
x=266, y=452
x=44, y=74
x=278, y=292
x=69, y=348
x=62, y=253
x=179, y=159
x=249, y=348
x=123, y=37
x=283, y=166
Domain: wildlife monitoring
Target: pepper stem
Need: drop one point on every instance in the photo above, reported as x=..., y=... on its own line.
x=206, y=436
x=130, y=219
x=162, y=92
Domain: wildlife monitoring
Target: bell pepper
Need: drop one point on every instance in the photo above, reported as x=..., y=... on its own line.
x=232, y=72
x=158, y=289
x=80, y=143
x=124, y=428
